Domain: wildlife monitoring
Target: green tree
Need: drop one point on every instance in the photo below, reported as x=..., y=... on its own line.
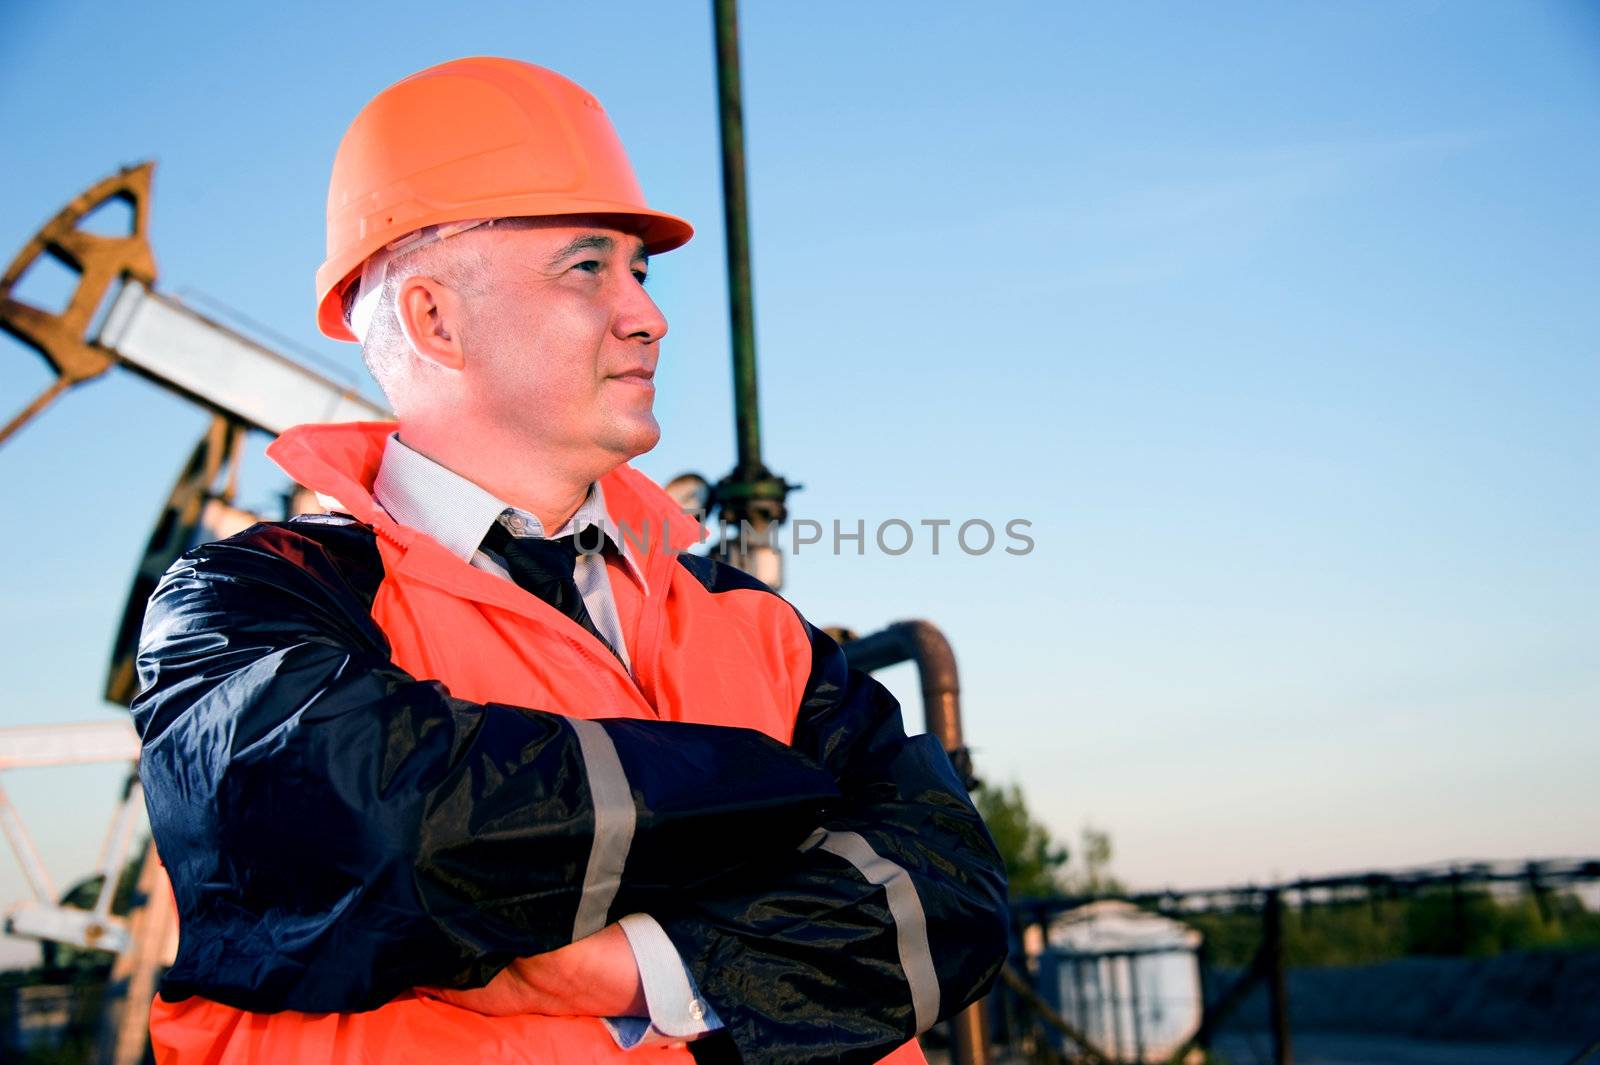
x=1033, y=860
x=1094, y=875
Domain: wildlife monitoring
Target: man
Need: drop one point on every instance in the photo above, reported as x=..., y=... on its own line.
x=480, y=766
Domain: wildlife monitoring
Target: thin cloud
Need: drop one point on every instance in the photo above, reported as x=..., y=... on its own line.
x=1251, y=184
x=1165, y=228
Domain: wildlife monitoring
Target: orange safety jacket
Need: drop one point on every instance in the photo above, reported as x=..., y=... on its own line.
x=370, y=767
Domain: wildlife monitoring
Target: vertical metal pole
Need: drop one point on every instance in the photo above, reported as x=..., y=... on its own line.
x=1108, y=969
x=1134, y=1006
x=969, y=1035
x=1277, y=982
x=1071, y=1006
x=1541, y=896
x=1103, y=1032
x=736, y=222
x=750, y=500
x=1084, y=1017
x=1458, y=912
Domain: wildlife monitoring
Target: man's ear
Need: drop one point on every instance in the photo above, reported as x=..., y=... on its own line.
x=430, y=314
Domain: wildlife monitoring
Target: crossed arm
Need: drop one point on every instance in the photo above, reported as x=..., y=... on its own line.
x=338, y=831
x=593, y=977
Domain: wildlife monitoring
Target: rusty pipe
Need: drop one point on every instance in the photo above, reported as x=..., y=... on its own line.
x=923, y=643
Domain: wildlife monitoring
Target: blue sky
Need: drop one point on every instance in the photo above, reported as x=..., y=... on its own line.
x=1278, y=324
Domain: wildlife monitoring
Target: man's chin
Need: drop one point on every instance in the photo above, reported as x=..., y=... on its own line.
x=635, y=437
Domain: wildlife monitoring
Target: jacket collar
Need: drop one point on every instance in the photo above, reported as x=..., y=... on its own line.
x=419, y=492
x=340, y=463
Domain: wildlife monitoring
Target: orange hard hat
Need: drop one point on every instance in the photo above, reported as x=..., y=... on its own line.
x=472, y=139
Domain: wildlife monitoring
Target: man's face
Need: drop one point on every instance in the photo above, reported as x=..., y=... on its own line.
x=561, y=340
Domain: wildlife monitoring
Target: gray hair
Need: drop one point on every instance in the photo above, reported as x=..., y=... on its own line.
x=384, y=349
x=453, y=262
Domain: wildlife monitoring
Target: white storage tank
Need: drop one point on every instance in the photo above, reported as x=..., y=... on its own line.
x=1127, y=978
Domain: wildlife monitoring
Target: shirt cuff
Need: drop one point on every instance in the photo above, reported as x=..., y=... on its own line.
x=677, y=1012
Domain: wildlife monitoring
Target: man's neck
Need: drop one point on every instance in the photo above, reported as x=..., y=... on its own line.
x=528, y=480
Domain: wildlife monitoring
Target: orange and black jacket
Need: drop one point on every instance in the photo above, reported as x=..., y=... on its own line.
x=371, y=767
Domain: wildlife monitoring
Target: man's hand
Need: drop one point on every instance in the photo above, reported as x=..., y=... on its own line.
x=594, y=977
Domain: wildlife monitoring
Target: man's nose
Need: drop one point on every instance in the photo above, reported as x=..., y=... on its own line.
x=638, y=317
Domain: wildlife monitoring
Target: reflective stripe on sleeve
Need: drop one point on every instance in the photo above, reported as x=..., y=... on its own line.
x=905, y=907
x=614, y=818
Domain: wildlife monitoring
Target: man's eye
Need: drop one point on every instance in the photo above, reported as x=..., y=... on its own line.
x=640, y=276
x=590, y=265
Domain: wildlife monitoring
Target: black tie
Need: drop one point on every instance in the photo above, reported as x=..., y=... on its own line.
x=545, y=567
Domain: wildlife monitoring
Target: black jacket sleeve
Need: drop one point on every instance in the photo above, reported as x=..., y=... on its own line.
x=337, y=831
x=890, y=917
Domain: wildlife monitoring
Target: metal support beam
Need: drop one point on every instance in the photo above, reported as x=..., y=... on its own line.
x=33, y=868
x=750, y=499
x=1277, y=979
x=203, y=360
x=736, y=225
x=114, y=851
x=44, y=917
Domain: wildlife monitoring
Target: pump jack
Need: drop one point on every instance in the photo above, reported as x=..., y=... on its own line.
x=117, y=317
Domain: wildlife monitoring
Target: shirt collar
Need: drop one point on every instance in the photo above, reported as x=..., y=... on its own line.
x=438, y=502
